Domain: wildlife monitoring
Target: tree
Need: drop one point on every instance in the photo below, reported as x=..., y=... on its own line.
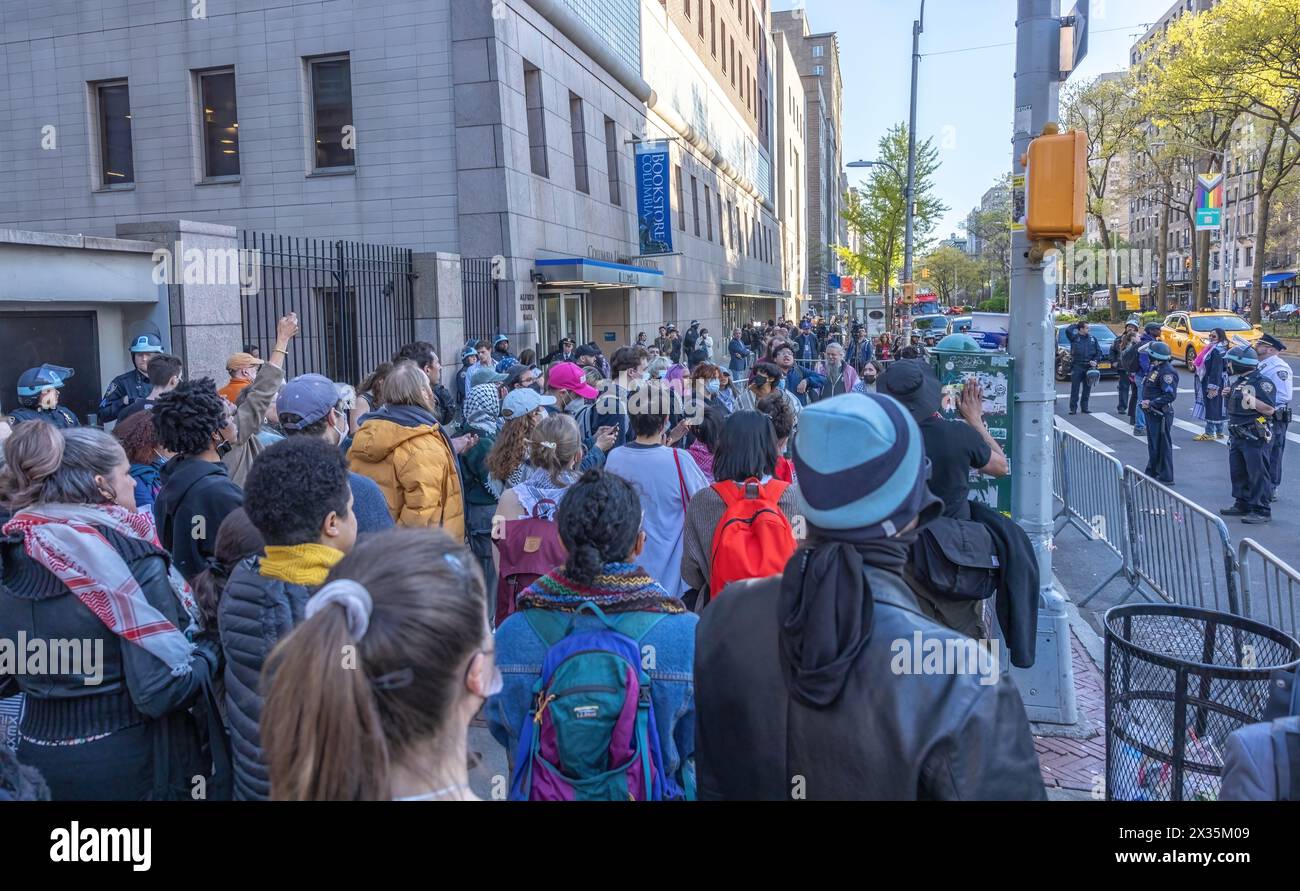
x=1105, y=110
x=876, y=212
x=991, y=226
x=952, y=272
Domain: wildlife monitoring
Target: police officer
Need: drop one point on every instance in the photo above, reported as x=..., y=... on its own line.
x=1250, y=408
x=132, y=385
x=1159, y=390
x=1275, y=368
x=1084, y=355
x=38, y=397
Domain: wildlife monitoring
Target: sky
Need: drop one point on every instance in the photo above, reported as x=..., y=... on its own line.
x=965, y=98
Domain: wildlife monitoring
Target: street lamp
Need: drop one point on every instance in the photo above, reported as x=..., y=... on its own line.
x=884, y=164
x=917, y=27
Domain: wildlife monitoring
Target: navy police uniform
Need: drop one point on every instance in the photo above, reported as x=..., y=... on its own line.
x=1084, y=350
x=1159, y=390
x=60, y=416
x=1278, y=373
x=1249, y=444
x=32, y=384
x=132, y=385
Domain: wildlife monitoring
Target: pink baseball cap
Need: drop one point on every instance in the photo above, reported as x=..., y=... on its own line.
x=567, y=376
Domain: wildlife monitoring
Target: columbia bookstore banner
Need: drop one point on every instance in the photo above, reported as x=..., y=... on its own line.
x=653, y=186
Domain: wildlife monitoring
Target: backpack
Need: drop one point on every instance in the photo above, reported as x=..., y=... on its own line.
x=1261, y=762
x=1129, y=360
x=753, y=539
x=590, y=734
x=530, y=548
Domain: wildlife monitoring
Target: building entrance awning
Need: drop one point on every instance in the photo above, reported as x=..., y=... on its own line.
x=580, y=272
x=744, y=289
x=1278, y=279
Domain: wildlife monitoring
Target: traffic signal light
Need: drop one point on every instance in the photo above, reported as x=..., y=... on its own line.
x=909, y=291
x=1056, y=178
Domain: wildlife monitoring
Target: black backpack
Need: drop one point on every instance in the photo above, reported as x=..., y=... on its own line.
x=1129, y=359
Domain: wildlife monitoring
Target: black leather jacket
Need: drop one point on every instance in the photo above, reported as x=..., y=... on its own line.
x=888, y=736
x=135, y=685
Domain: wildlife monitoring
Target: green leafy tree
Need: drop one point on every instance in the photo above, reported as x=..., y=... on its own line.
x=952, y=273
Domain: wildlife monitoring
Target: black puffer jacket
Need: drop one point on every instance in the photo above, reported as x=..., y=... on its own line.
x=887, y=736
x=254, y=614
x=196, y=496
x=136, y=686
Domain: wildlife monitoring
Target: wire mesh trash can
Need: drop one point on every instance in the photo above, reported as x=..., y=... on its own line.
x=1178, y=680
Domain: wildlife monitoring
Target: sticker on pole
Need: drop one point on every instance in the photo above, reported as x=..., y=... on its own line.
x=1018, y=210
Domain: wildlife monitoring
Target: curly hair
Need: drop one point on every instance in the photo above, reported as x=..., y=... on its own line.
x=293, y=486
x=139, y=437
x=511, y=446
x=777, y=407
x=599, y=519
x=187, y=417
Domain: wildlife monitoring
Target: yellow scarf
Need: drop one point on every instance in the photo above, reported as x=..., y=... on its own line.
x=304, y=564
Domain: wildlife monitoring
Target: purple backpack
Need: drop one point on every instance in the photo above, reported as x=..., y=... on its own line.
x=591, y=734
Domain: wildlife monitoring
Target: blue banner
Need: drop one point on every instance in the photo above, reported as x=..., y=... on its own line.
x=654, y=206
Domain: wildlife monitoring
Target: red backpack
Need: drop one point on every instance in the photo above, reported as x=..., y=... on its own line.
x=753, y=539
x=530, y=548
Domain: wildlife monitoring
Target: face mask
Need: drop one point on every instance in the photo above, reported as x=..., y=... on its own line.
x=714, y=385
x=223, y=448
x=342, y=432
x=497, y=684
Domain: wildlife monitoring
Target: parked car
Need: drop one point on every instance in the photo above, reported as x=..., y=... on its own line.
x=936, y=324
x=1187, y=333
x=1284, y=314
x=1105, y=337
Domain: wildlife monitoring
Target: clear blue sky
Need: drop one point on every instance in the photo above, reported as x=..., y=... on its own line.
x=965, y=99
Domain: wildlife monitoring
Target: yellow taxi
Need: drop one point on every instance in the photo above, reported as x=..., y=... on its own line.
x=1187, y=333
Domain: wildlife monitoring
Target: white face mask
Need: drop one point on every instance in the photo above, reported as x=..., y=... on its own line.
x=342, y=431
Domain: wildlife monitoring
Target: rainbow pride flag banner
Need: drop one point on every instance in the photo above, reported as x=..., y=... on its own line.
x=1209, y=201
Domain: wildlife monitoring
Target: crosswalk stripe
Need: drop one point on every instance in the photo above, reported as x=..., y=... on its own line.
x=1193, y=428
x=1122, y=426
x=1294, y=437
x=1090, y=440
x=1096, y=393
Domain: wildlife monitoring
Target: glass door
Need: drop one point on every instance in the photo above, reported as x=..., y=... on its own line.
x=562, y=315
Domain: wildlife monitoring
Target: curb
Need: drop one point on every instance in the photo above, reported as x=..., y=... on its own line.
x=1093, y=646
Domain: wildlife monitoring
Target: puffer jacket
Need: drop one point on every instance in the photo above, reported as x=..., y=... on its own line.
x=887, y=736
x=404, y=450
x=254, y=614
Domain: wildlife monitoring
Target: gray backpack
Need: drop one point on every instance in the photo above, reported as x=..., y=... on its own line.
x=1261, y=762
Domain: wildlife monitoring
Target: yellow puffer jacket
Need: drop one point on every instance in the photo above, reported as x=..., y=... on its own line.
x=402, y=449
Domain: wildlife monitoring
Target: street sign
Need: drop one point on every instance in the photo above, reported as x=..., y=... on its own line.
x=1209, y=201
x=1074, y=39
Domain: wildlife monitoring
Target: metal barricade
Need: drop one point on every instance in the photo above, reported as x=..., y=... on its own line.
x=1177, y=549
x=1058, y=477
x=1091, y=489
x=1269, y=587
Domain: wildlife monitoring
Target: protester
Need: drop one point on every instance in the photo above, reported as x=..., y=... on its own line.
x=482, y=418
x=728, y=392
x=738, y=352
x=255, y=403
x=665, y=479
x=860, y=350
x=242, y=368
x=705, y=343
x=627, y=370
x=705, y=436
x=746, y=450
x=368, y=396
x=784, y=422
x=600, y=523
x=796, y=380
x=309, y=405
x=196, y=426
x=139, y=439
x=163, y=373
x=299, y=500
x=575, y=397
x=798, y=676
x=77, y=562
x=765, y=378
x=237, y=540
x=840, y=376
x=403, y=448
x=421, y=352
x=393, y=724
x=1117, y=348
x=522, y=376
x=1211, y=387
x=507, y=463
x=868, y=379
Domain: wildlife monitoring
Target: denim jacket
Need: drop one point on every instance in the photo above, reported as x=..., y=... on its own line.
x=519, y=655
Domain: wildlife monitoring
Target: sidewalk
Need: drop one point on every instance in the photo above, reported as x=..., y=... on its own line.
x=1073, y=767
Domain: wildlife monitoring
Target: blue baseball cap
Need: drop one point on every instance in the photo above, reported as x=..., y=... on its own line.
x=308, y=396
x=880, y=485
x=34, y=381
x=523, y=401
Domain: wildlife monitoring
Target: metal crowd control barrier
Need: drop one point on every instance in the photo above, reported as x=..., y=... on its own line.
x=1179, y=550
x=1091, y=488
x=1269, y=587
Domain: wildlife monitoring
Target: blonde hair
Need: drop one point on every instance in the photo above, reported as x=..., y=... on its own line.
x=554, y=445
x=407, y=384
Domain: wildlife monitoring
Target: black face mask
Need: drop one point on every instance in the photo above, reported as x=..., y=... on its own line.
x=223, y=448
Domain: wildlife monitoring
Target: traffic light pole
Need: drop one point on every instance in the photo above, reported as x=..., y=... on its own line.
x=1048, y=686
x=917, y=27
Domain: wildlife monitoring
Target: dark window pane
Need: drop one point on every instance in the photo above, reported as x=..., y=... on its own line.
x=117, y=164
x=220, y=125
x=331, y=92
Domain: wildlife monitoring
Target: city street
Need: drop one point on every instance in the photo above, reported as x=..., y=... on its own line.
x=1201, y=472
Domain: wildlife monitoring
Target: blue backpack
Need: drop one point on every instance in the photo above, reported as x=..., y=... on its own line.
x=591, y=734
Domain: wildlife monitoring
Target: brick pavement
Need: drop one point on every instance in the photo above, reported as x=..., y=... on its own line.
x=1078, y=765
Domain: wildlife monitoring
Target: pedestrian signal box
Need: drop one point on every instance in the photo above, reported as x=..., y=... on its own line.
x=1056, y=179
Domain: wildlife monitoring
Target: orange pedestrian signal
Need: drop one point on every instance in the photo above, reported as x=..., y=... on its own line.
x=1056, y=178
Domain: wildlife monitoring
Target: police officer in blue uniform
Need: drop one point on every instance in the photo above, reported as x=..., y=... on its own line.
x=1085, y=352
x=1159, y=390
x=1275, y=368
x=38, y=397
x=1250, y=406
x=132, y=385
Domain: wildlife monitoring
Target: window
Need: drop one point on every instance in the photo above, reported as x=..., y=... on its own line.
x=113, y=108
x=724, y=47
x=695, y=204
x=1250, y=256
x=818, y=70
x=681, y=200
x=708, y=212
x=819, y=51
x=578, y=126
x=536, y=119
x=699, y=18
x=733, y=62
x=687, y=7
x=611, y=162
x=722, y=225
x=713, y=28
x=331, y=110
x=220, y=122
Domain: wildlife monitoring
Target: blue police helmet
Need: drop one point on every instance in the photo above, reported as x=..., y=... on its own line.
x=1093, y=376
x=34, y=380
x=148, y=342
x=1244, y=356
x=1160, y=350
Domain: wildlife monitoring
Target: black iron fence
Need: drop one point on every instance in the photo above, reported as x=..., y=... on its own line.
x=479, y=277
x=355, y=302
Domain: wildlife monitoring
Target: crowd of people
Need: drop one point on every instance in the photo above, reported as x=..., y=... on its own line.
x=679, y=570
